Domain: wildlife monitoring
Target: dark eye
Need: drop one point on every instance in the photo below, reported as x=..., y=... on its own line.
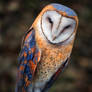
x=50, y=21
x=68, y=26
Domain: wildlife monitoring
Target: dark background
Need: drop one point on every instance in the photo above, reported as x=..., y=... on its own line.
x=16, y=16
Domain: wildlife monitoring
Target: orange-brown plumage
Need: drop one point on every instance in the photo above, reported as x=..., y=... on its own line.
x=52, y=56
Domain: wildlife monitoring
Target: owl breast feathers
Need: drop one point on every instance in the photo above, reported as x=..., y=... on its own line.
x=46, y=48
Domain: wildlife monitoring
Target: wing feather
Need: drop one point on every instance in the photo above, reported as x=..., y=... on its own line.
x=28, y=60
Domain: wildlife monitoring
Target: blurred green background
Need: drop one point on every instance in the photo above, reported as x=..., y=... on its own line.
x=16, y=16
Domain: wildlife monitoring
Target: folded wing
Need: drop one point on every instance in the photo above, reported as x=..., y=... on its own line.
x=28, y=60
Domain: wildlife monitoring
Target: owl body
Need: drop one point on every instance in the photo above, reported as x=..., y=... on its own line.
x=46, y=48
x=52, y=57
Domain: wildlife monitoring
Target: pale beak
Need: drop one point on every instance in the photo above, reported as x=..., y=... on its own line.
x=53, y=38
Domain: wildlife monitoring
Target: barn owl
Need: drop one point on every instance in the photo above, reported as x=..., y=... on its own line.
x=46, y=48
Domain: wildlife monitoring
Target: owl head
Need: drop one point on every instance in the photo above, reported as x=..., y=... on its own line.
x=56, y=24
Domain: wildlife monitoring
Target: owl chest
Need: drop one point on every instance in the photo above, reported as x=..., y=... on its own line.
x=52, y=56
x=49, y=64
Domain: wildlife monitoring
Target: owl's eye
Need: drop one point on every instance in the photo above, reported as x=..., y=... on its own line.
x=50, y=21
x=65, y=28
x=68, y=26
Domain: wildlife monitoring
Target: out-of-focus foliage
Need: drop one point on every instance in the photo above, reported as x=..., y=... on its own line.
x=16, y=16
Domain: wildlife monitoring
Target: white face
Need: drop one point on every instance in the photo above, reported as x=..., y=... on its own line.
x=57, y=28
